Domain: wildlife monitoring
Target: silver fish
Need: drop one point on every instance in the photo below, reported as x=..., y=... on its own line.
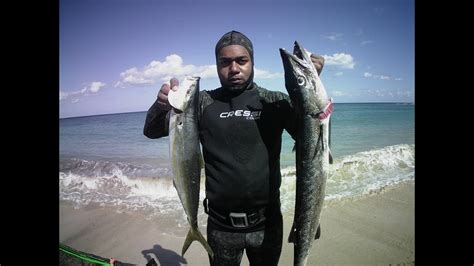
x=313, y=111
x=185, y=154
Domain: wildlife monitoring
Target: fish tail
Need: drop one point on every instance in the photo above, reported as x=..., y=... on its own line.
x=195, y=234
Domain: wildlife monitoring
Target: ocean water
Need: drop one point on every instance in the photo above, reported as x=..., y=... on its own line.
x=106, y=160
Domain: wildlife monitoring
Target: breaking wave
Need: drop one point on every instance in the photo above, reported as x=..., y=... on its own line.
x=148, y=189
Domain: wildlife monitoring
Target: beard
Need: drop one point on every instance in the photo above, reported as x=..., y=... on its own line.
x=239, y=87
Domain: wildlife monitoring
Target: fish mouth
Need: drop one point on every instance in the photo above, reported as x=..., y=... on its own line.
x=298, y=51
x=298, y=56
x=180, y=99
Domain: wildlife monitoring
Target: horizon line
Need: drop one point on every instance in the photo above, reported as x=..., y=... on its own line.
x=129, y=112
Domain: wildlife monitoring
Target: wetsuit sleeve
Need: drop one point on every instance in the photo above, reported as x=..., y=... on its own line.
x=282, y=102
x=289, y=116
x=156, y=123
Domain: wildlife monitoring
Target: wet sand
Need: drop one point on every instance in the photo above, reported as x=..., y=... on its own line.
x=377, y=229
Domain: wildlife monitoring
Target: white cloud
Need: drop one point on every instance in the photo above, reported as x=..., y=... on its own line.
x=162, y=71
x=94, y=87
x=389, y=93
x=366, y=42
x=382, y=77
x=62, y=95
x=333, y=36
x=209, y=71
x=404, y=93
x=173, y=66
x=378, y=94
x=341, y=60
x=338, y=73
x=133, y=76
x=339, y=93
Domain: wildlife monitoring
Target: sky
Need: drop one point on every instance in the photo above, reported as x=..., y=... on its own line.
x=115, y=54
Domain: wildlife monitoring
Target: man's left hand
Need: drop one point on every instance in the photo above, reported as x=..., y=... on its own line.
x=318, y=62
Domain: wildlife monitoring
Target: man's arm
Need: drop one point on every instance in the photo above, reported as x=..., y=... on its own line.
x=157, y=117
x=289, y=119
x=156, y=123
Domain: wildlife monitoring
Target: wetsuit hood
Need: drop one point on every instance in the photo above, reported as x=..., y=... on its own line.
x=237, y=38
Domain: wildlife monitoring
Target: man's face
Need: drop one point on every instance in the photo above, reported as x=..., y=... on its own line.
x=234, y=66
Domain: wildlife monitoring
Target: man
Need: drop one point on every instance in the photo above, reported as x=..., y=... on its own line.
x=240, y=129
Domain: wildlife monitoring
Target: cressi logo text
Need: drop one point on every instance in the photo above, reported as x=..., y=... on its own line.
x=249, y=115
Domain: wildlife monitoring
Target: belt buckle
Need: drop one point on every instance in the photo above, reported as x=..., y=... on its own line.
x=240, y=219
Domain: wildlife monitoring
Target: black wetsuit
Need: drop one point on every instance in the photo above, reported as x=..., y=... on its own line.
x=240, y=133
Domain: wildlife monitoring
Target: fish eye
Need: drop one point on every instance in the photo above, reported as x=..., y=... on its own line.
x=301, y=80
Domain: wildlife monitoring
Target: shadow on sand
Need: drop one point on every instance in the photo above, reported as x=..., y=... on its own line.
x=164, y=256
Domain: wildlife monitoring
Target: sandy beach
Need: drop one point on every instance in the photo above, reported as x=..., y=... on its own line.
x=377, y=229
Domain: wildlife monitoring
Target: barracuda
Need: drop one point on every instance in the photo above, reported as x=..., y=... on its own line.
x=185, y=154
x=313, y=110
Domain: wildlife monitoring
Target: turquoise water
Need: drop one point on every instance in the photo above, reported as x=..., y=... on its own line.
x=358, y=127
x=106, y=159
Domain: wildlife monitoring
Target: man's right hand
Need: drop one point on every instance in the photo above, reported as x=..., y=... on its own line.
x=163, y=102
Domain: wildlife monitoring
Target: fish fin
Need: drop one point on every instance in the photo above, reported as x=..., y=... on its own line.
x=291, y=237
x=195, y=234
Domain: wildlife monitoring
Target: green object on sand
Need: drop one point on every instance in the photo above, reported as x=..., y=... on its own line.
x=71, y=257
x=82, y=255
